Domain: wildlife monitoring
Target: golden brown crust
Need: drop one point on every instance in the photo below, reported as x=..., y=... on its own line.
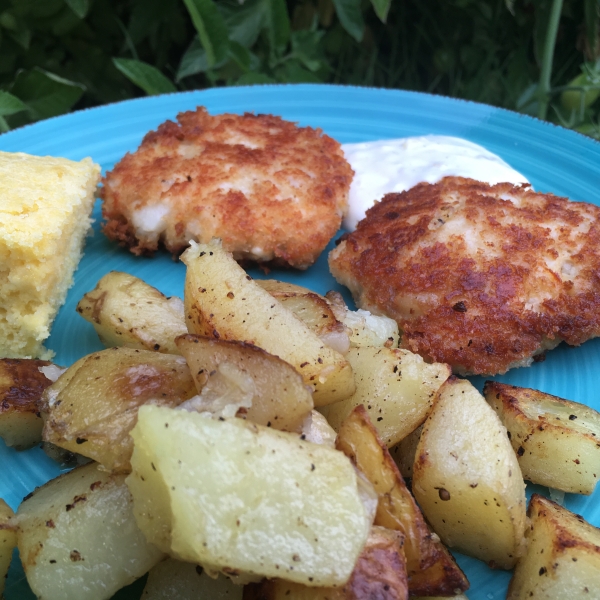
x=480, y=277
x=443, y=578
x=380, y=571
x=22, y=384
x=269, y=189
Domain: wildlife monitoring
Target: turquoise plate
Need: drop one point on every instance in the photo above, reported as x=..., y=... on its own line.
x=553, y=159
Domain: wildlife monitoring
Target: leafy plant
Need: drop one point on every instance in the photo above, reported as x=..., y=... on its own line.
x=540, y=57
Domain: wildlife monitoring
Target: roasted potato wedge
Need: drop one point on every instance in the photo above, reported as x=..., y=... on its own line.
x=312, y=309
x=397, y=388
x=443, y=579
x=172, y=579
x=126, y=311
x=78, y=539
x=8, y=541
x=562, y=559
x=92, y=407
x=397, y=509
x=380, y=573
x=466, y=477
x=274, y=392
x=404, y=452
x=286, y=507
x=557, y=441
x=21, y=386
x=331, y=319
x=221, y=301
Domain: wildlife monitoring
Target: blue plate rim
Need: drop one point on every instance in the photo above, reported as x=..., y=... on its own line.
x=366, y=89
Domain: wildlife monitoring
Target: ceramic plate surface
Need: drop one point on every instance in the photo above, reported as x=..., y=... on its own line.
x=553, y=159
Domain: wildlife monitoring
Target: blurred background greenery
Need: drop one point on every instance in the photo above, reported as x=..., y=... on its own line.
x=540, y=57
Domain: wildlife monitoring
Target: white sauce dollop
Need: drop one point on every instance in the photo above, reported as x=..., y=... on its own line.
x=396, y=165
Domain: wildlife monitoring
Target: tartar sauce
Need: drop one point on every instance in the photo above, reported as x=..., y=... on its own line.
x=396, y=165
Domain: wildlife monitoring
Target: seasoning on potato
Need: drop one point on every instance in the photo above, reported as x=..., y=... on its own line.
x=223, y=302
x=557, y=441
x=78, y=538
x=430, y=568
x=126, y=311
x=562, y=558
x=236, y=496
x=239, y=473
x=396, y=386
x=93, y=406
x=270, y=391
x=380, y=572
x=466, y=477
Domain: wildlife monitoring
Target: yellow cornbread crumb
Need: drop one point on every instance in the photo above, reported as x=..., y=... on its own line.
x=45, y=206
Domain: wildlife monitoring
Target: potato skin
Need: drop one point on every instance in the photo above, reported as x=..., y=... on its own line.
x=379, y=573
x=442, y=579
x=279, y=397
x=396, y=508
x=92, y=407
x=557, y=441
x=21, y=387
x=430, y=567
x=562, y=559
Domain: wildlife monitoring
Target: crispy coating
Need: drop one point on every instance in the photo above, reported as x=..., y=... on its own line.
x=272, y=191
x=480, y=277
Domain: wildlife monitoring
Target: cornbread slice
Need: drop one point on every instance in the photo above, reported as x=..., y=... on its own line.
x=45, y=206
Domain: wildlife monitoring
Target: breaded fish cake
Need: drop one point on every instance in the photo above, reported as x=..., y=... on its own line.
x=480, y=277
x=272, y=191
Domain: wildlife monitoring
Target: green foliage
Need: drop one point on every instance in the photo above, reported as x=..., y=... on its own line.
x=44, y=93
x=79, y=7
x=9, y=105
x=350, y=15
x=540, y=57
x=149, y=78
x=211, y=28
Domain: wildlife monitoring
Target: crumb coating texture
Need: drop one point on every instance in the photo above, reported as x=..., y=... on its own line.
x=480, y=277
x=270, y=190
x=44, y=216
